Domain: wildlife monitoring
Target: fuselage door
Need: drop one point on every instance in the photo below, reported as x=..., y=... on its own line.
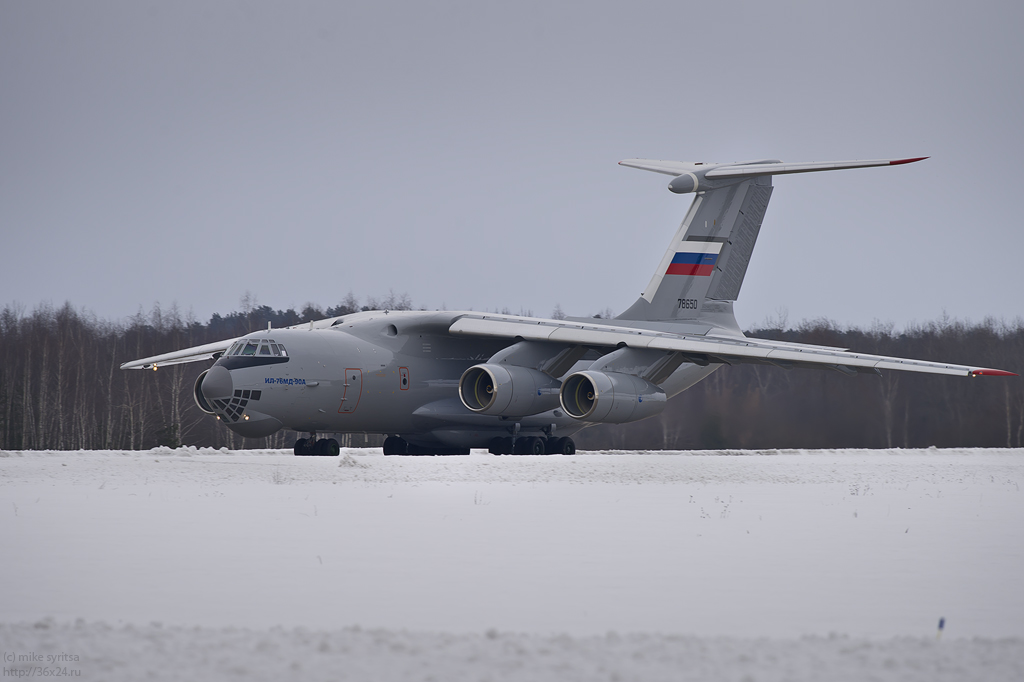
x=353, y=389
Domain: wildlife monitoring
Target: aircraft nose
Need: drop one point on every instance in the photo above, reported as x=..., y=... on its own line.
x=217, y=384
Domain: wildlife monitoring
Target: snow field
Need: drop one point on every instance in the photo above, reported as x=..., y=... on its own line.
x=738, y=564
x=158, y=652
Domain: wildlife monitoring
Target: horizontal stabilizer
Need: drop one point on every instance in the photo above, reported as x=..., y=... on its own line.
x=742, y=169
x=665, y=167
x=785, y=168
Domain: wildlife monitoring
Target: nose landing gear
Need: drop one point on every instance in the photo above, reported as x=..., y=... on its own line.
x=325, y=447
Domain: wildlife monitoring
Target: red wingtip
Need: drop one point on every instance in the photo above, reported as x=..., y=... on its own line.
x=900, y=162
x=992, y=373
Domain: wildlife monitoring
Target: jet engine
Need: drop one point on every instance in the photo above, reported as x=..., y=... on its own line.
x=197, y=394
x=610, y=397
x=507, y=390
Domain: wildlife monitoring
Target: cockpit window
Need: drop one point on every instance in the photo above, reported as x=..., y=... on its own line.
x=256, y=347
x=253, y=352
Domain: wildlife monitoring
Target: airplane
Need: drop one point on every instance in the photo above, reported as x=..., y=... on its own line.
x=444, y=382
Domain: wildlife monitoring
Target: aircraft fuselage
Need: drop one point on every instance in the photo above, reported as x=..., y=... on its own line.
x=392, y=373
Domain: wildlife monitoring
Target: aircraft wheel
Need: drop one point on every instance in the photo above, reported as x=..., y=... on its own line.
x=559, y=446
x=393, y=445
x=418, y=450
x=529, y=446
x=300, y=447
x=329, y=448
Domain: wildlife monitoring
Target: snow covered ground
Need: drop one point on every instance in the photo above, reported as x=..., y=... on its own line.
x=204, y=564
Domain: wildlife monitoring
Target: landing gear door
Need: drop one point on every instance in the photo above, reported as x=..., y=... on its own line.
x=353, y=389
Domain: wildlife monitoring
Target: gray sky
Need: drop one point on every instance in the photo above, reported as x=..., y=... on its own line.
x=466, y=153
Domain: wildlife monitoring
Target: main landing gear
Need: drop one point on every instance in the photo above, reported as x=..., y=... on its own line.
x=326, y=447
x=531, y=445
x=393, y=445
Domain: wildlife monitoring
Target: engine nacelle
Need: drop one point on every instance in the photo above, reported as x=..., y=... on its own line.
x=610, y=397
x=507, y=390
x=197, y=394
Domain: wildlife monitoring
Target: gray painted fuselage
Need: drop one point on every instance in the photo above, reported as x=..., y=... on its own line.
x=392, y=373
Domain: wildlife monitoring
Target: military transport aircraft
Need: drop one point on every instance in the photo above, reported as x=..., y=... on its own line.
x=444, y=382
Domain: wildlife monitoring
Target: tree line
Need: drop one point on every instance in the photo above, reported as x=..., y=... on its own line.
x=61, y=387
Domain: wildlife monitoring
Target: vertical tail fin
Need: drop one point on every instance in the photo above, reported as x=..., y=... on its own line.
x=703, y=268
x=708, y=256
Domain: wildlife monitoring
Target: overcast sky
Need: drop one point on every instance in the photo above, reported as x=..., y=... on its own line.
x=465, y=153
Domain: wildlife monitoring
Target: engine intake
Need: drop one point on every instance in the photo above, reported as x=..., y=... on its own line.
x=507, y=390
x=610, y=397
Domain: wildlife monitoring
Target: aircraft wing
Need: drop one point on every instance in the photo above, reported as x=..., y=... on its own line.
x=195, y=354
x=702, y=349
x=209, y=351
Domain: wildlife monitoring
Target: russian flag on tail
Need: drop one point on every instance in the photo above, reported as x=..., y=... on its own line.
x=695, y=259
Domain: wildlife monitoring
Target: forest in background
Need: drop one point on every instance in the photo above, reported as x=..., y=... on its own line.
x=61, y=387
